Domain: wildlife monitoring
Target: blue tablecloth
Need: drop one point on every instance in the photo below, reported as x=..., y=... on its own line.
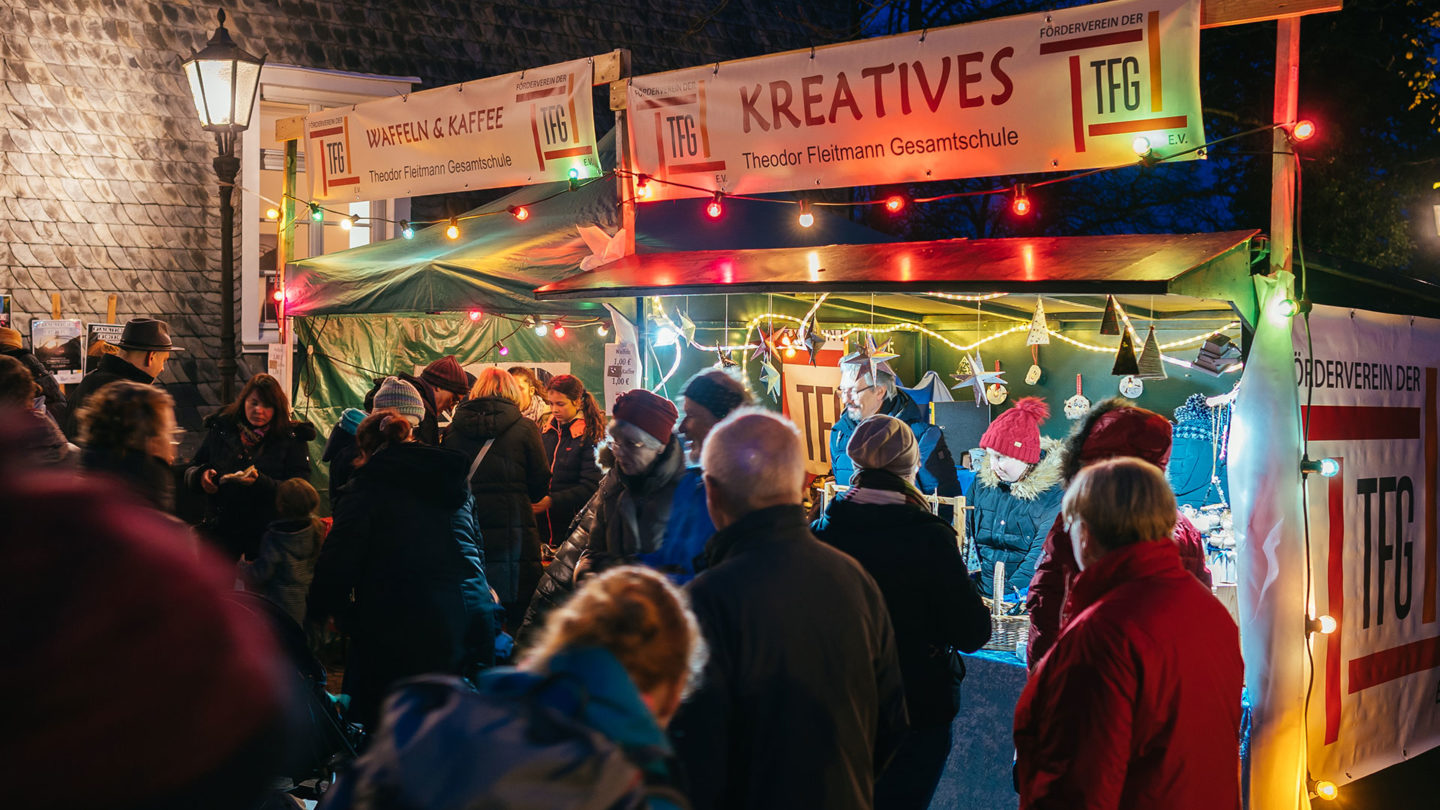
x=978, y=773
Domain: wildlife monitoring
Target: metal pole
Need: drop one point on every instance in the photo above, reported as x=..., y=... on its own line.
x=226, y=167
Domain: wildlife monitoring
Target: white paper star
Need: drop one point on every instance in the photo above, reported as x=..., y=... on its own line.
x=771, y=378
x=978, y=378
x=871, y=357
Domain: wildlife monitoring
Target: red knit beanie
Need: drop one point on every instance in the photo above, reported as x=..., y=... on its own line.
x=651, y=413
x=1016, y=432
x=446, y=373
x=1128, y=432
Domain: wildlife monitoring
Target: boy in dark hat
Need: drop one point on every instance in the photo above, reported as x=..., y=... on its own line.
x=144, y=347
x=442, y=385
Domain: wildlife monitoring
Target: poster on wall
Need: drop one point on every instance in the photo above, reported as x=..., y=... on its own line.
x=101, y=339
x=521, y=128
x=1053, y=91
x=1373, y=379
x=4, y=309
x=622, y=371
x=812, y=401
x=57, y=345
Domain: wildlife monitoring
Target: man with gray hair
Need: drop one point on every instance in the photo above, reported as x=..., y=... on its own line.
x=865, y=393
x=801, y=703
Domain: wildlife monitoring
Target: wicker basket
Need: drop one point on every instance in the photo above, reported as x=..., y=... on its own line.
x=1007, y=633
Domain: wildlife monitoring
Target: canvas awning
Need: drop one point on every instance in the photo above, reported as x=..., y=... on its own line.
x=1125, y=263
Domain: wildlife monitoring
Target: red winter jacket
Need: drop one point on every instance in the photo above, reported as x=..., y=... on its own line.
x=1055, y=576
x=1111, y=429
x=1138, y=704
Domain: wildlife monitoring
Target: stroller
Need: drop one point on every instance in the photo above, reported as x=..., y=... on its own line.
x=324, y=743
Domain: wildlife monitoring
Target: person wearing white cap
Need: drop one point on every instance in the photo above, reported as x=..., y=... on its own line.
x=885, y=523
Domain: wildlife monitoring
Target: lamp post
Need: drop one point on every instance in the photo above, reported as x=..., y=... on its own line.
x=223, y=81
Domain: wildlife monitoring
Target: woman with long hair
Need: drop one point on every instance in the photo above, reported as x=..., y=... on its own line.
x=251, y=446
x=575, y=428
x=532, y=402
x=582, y=718
x=507, y=474
x=128, y=429
x=405, y=542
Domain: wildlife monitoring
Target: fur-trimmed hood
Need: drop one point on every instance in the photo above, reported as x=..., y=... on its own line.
x=1043, y=475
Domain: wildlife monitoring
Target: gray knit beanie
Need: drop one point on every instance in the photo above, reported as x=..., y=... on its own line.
x=398, y=395
x=884, y=443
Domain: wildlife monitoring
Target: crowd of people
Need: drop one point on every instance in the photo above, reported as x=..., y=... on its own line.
x=545, y=602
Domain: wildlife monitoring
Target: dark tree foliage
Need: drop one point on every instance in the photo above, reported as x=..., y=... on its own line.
x=1368, y=78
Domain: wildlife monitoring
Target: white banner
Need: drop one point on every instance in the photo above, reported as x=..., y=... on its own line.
x=1053, y=91
x=512, y=130
x=812, y=401
x=622, y=371
x=1373, y=537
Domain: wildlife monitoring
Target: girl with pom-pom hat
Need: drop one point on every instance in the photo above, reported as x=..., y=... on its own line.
x=1016, y=496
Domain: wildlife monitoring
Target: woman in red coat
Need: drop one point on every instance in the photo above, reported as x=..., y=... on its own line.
x=1113, y=428
x=1138, y=703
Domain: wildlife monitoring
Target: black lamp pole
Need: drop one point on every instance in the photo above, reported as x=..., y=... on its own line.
x=224, y=79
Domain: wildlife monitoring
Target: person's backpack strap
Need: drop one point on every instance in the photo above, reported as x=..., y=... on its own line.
x=479, y=457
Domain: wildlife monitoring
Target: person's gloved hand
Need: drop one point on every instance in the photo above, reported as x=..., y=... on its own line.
x=504, y=647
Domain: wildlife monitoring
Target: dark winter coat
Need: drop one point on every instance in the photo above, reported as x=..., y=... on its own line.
x=937, y=467
x=1138, y=704
x=286, y=564
x=55, y=403
x=145, y=475
x=626, y=517
x=110, y=369
x=801, y=703
x=341, y=451
x=1009, y=521
x=237, y=515
x=574, y=477
x=406, y=542
x=512, y=476
x=933, y=605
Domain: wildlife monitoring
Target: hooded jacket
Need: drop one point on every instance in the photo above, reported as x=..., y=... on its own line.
x=406, y=542
x=341, y=451
x=285, y=566
x=626, y=517
x=1009, y=521
x=1133, y=432
x=237, y=515
x=512, y=476
x=937, y=467
x=932, y=603
x=574, y=477
x=1125, y=712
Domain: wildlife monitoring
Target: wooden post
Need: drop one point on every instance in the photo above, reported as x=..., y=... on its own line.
x=287, y=131
x=54, y=306
x=624, y=179
x=110, y=301
x=1282, y=172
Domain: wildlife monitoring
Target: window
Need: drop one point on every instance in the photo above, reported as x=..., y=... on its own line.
x=287, y=91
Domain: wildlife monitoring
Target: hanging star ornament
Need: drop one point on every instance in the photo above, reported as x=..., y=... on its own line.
x=725, y=361
x=868, y=355
x=978, y=378
x=771, y=378
x=687, y=328
x=813, y=344
x=765, y=349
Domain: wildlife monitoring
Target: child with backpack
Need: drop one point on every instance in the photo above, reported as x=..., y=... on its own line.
x=580, y=724
x=285, y=565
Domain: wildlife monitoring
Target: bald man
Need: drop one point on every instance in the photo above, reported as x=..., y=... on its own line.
x=801, y=703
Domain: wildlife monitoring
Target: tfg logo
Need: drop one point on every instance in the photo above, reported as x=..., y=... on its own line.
x=332, y=137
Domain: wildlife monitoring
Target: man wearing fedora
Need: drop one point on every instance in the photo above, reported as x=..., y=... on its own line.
x=144, y=347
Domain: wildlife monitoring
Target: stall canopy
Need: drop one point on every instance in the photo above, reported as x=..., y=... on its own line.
x=498, y=261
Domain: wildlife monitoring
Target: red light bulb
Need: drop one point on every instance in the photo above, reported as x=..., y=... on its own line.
x=475, y=314
x=520, y=212
x=278, y=295
x=714, y=209
x=559, y=331
x=895, y=204
x=1303, y=130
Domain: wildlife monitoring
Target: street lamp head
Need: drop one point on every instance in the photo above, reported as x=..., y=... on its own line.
x=223, y=80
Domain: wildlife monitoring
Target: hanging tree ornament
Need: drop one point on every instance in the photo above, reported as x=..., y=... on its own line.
x=687, y=328
x=996, y=393
x=1035, y=375
x=764, y=349
x=1110, y=324
x=1039, y=330
x=870, y=358
x=978, y=378
x=1131, y=387
x=1125, y=361
x=771, y=378
x=725, y=361
x=813, y=344
x=1151, y=363
x=1077, y=406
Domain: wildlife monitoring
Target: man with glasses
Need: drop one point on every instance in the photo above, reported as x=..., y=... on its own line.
x=863, y=394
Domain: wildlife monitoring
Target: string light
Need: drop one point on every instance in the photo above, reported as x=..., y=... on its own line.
x=278, y=295
x=895, y=204
x=346, y=223
x=454, y=230
x=520, y=212
x=1141, y=145
x=503, y=349
x=714, y=209
x=316, y=215
x=272, y=213
x=954, y=297
x=1324, y=789
x=1021, y=204
x=643, y=190
x=542, y=329
x=1303, y=130
x=1324, y=467
x=603, y=330
x=405, y=229
x=475, y=314
x=1324, y=625
x=559, y=331
x=574, y=173
x=806, y=218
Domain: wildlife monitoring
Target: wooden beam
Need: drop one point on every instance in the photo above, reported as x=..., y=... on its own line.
x=110, y=301
x=619, y=96
x=1283, y=170
x=610, y=67
x=1220, y=13
x=290, y=129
